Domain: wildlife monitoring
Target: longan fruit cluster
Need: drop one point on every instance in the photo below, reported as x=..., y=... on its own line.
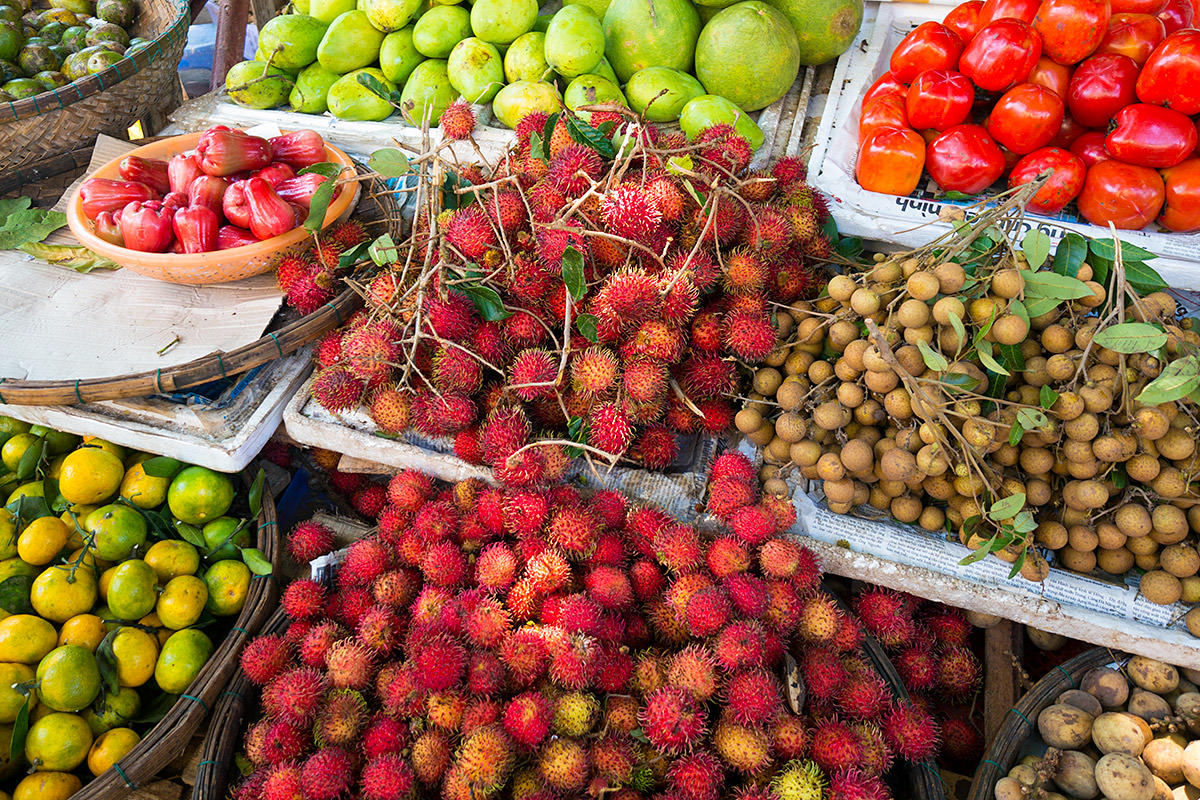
x=1107, y=480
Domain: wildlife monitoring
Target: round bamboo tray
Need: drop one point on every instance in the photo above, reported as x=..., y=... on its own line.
x=137, y=87
x=1022, y=718
x=167, y=740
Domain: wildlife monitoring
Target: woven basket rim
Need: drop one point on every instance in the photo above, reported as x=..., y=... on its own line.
x=86, y=87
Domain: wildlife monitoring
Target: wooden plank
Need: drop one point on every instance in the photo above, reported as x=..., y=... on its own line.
x=263, y=10
x=363, y=466
x=1001, y=690
x=231, y=38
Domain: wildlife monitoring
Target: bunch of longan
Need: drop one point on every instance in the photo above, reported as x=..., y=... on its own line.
x=921, y=424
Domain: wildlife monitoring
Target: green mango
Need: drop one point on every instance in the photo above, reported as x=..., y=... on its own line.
x=398, y=57
x=75, y=65
x=101, y=60
x=309, y=94
x=605, y=70
x=350, y=42
x=329, y=10
x=255, y=84
x=429, y=91
x=526, y=58
x=84, y=8
x=53, y=31
x=20, y=88
x=35, y=58
x=574, y=41
x=476, y=70
x=106, y=33
x=51, y=79
x=9, y=71
x=390, y=15
x=502, y=21
x=525, y=97
x=291, y=40
x=598, y=7
x=660, y=93
x=300, y=6
x=11, y=43
x=441, y=28
x=75, y=37
x=118, y=12
x=701, y=113
x=10, y=14
x=348, y=99
x=590, y=90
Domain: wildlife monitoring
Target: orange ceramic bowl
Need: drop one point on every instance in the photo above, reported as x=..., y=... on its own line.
x=218, y=266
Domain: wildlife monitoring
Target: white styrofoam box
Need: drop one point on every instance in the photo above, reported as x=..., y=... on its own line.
x=913, y=221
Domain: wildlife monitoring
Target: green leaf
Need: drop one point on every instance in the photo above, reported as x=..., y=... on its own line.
x=14, y=594
x=551, y=124
x=254, y=497
x=487, y=301
x=1011, y=356
x=192, y=535
x=958, y=380
x=984, y=348
x=106, y=660
x=1051, y=284
x=850, y=246
x=1017, y=565
x=377, y=88
x=1024, y=522
x=1018, y=310
x=587, y=135
x=1142, y=278
x=1006, y=507
x=960, y=331
x=353, y=255
x=30, y=459
x=16, y=745
x=1036, y=306
x=161, y=467
x=1036, y=246
x=572, y=270
x=319, y=205
x=1031, y=418
x=29, y=225
x=157, y=710
x=327, y=169
x=382, y=251
x=830, y=229
x=79, y=259
x=587, y=325
x=1106, y=249
x=389, y=162
x=536, y=147
x=932, y=358
x=978, y=555
x=10, y=206
x=1118, y=476
x=1178, y=379
x=1015, y=433
x=1070, y=255
x=1100, y=269
x=1131, y=337
x=1047, y=397
x=256, y=561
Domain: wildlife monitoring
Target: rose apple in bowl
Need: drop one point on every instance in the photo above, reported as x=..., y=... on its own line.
x=255, y=257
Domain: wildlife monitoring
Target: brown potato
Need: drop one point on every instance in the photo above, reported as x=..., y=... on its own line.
x=1106, y=685
x=1164, y=757
x=1122, y=777
x=1082, y=700
x=1148, y=705
x=1151, y=675
x=1161, y=790
x=1190, y=764
x=1075, y=775
x=1065, y=727
x=1117, y=732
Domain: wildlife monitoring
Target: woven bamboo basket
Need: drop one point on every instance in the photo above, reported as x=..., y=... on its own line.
x=135, y=88
x=378, y=208
x=167, y=740
x=1022, y=718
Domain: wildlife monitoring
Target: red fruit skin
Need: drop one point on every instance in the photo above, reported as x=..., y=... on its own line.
x=207, y=191
x=150, y=171
x=108, y=227
x=1052, y=75
x=235, y=206
x=964, y=159
x=300, y=190
x=1024, y=10
x=890, y=161
x=1001, y=55
x=1150, y=136
x=1133, y=35
x=1068, y=132
x=182, y=170
x=1062, y=187
x=963, y=19
x=1177, y=15
x=1127, y=195
x=230, y=236
x=298, y=149
x=1100, y=87
x=930, y=46
x=1026, y=118
x=1137, y=6
x=105, y=194
x=146, y=228
x=886, y=84
x=939, y=99
x=224, y=152
x=174, y=201
x=1089, y=148
x=882, y=112
x=270, y=214
x=1171, y=76
x=1071, y=29
x=1182, y=210
x=276, y=173
x=196, y=229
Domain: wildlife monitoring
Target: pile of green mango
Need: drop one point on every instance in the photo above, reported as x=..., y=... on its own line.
x=42, y=49
x=701, y=63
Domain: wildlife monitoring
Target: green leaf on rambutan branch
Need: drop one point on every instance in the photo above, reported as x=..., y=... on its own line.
x=587, y=135
x=486, y=301
x=587, y=324
x=572, y=270
x=536, y=147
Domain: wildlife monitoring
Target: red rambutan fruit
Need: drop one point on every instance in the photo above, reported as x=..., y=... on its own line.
x=384, y=735
x=533, y=374
x=563, y=765
x=727, y=556
x=647, y=580
x=290, y=267
x=752, y=524
x=409, y=490
x=749, y=595
x=527, y=718
x=388, y=776
x=470, y=232
x=789, y=171
x=303, y=599
x=740, y=644
x=486, y=758
x=742, y=748
x=507, y=210
x=369, y=500
x=487, y=624
x=443, y=415
x=789, y=736
x=533, y=122
x=673, y=720
x=485, y=674
x=380, y=629
x=752, y=697
x=694, y=669
x=748, y=336
x=626, y=297
x=610, y=587
x=613, y=757
x=329, y=349
x=504, y=432
x=959, y=672
x=572, y=170
x=445, y=709
x=349, y=605
x=593, y=371
x=369, y=352
x=265, y=657
x=835, y=746
x=350, y=664
x=823, y=671
x=365, y=560
x=949, y=626
x=496, y=567
x=336, y=389
x=456, y=370
x=317, y=641
x=306, y=294
x=911, y=732
x=279, y=782
x=523, y=329
x=887, y=615
x=525, y=656
x=390, y=409
x=864, y=696
x=697, y=776
x=458, y=120
x=630, y=212
x=678, y=548
x=645, y=380
x=609, y=429
x=745, y=273
x=655, y=339
x=963, y=743
x=294, y=696
x=857, y=784
x=708, y=376
x=452, y=318
x=614, y=669
x=430, y=756
x=444, y=565
x=572, y=662
x=439, y=663
x=340, y=720
x=820, y=619
x=573, y=530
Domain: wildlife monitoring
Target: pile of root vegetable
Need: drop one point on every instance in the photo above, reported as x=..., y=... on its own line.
x=594, y=292
x=1017, y=399
x=542, y=643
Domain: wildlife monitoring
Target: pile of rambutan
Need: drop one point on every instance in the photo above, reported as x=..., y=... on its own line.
x=541, y=643
x=310, y=277
x=598, y=291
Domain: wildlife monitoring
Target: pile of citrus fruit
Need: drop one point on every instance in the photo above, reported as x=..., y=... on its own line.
x=112, y=566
